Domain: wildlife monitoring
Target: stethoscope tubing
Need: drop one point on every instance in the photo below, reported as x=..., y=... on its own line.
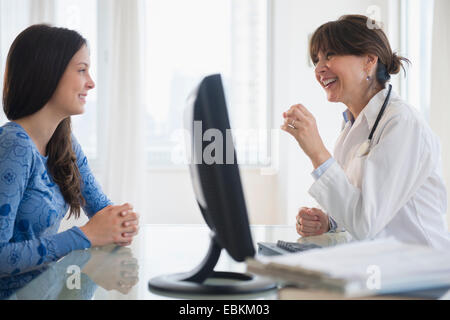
x=364, y=149
x=380, y=114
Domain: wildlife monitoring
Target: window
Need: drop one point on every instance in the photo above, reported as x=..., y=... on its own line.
x=190, y=39
x=417, y=24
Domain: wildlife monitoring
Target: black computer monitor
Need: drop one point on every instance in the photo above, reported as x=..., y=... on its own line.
x=217, y=186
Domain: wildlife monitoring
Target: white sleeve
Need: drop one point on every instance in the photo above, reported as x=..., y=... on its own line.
x=393, y=171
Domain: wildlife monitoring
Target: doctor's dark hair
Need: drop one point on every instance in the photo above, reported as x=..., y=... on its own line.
x=36, y=61
x=357, y=35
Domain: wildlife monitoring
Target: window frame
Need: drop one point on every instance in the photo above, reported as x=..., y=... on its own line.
x=423, y=67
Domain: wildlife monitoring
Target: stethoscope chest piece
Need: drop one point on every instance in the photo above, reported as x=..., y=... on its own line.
x=364, y=149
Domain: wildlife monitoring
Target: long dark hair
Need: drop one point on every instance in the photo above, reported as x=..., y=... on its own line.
x=35, y=64
x=357, y=35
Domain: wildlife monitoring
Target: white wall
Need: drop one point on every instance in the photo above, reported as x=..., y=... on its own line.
x=177, y=205
x=440, y=111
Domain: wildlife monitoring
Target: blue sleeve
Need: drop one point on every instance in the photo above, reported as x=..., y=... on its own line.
x=323, y=167
x=16, y=163
x=19, y=257
x=333, y=224
x=96, y=200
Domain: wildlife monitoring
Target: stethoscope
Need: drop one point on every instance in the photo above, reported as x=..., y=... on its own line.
x=365, y=147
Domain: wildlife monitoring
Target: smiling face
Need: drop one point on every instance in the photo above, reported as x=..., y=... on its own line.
x=70, y=95
x=341, y=76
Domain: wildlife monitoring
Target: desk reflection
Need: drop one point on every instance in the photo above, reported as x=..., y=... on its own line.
x=112, y=272
x=76, y=276
x=327, y=239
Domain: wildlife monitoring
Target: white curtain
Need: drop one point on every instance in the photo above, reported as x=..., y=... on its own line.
x=15, y=16
x=440, y=95
x=121, y=110
x=42, y=11
x=126, y=157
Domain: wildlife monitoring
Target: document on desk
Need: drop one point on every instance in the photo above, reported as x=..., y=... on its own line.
x=360, y=268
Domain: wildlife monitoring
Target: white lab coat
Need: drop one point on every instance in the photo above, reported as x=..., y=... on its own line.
x=397, y=189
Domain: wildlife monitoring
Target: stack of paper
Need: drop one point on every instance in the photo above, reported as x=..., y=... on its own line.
x=361, y=268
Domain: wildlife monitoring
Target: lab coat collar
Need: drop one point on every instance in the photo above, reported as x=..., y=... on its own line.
x=370, y=112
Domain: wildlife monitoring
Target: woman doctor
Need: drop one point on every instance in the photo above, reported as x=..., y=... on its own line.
x=384, y=178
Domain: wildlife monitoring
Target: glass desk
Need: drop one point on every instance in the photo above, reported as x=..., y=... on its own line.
x=113, y=272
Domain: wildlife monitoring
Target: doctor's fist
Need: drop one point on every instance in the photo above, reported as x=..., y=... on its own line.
x=312, y=222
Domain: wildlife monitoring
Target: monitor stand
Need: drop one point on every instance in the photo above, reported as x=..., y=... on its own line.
x=204, y=280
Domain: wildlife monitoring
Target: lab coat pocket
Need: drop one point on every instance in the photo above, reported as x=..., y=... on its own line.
x=355, y=170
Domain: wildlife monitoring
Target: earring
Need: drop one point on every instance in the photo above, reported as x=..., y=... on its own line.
x=368, y=78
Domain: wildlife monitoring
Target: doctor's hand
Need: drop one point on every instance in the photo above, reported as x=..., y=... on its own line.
x=301, y=124
x=312, y=222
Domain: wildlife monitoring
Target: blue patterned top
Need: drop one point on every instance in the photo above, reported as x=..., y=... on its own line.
x=32, y=206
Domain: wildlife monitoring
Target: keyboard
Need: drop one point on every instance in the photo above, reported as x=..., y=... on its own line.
x=283, y=247
x=296, y=246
